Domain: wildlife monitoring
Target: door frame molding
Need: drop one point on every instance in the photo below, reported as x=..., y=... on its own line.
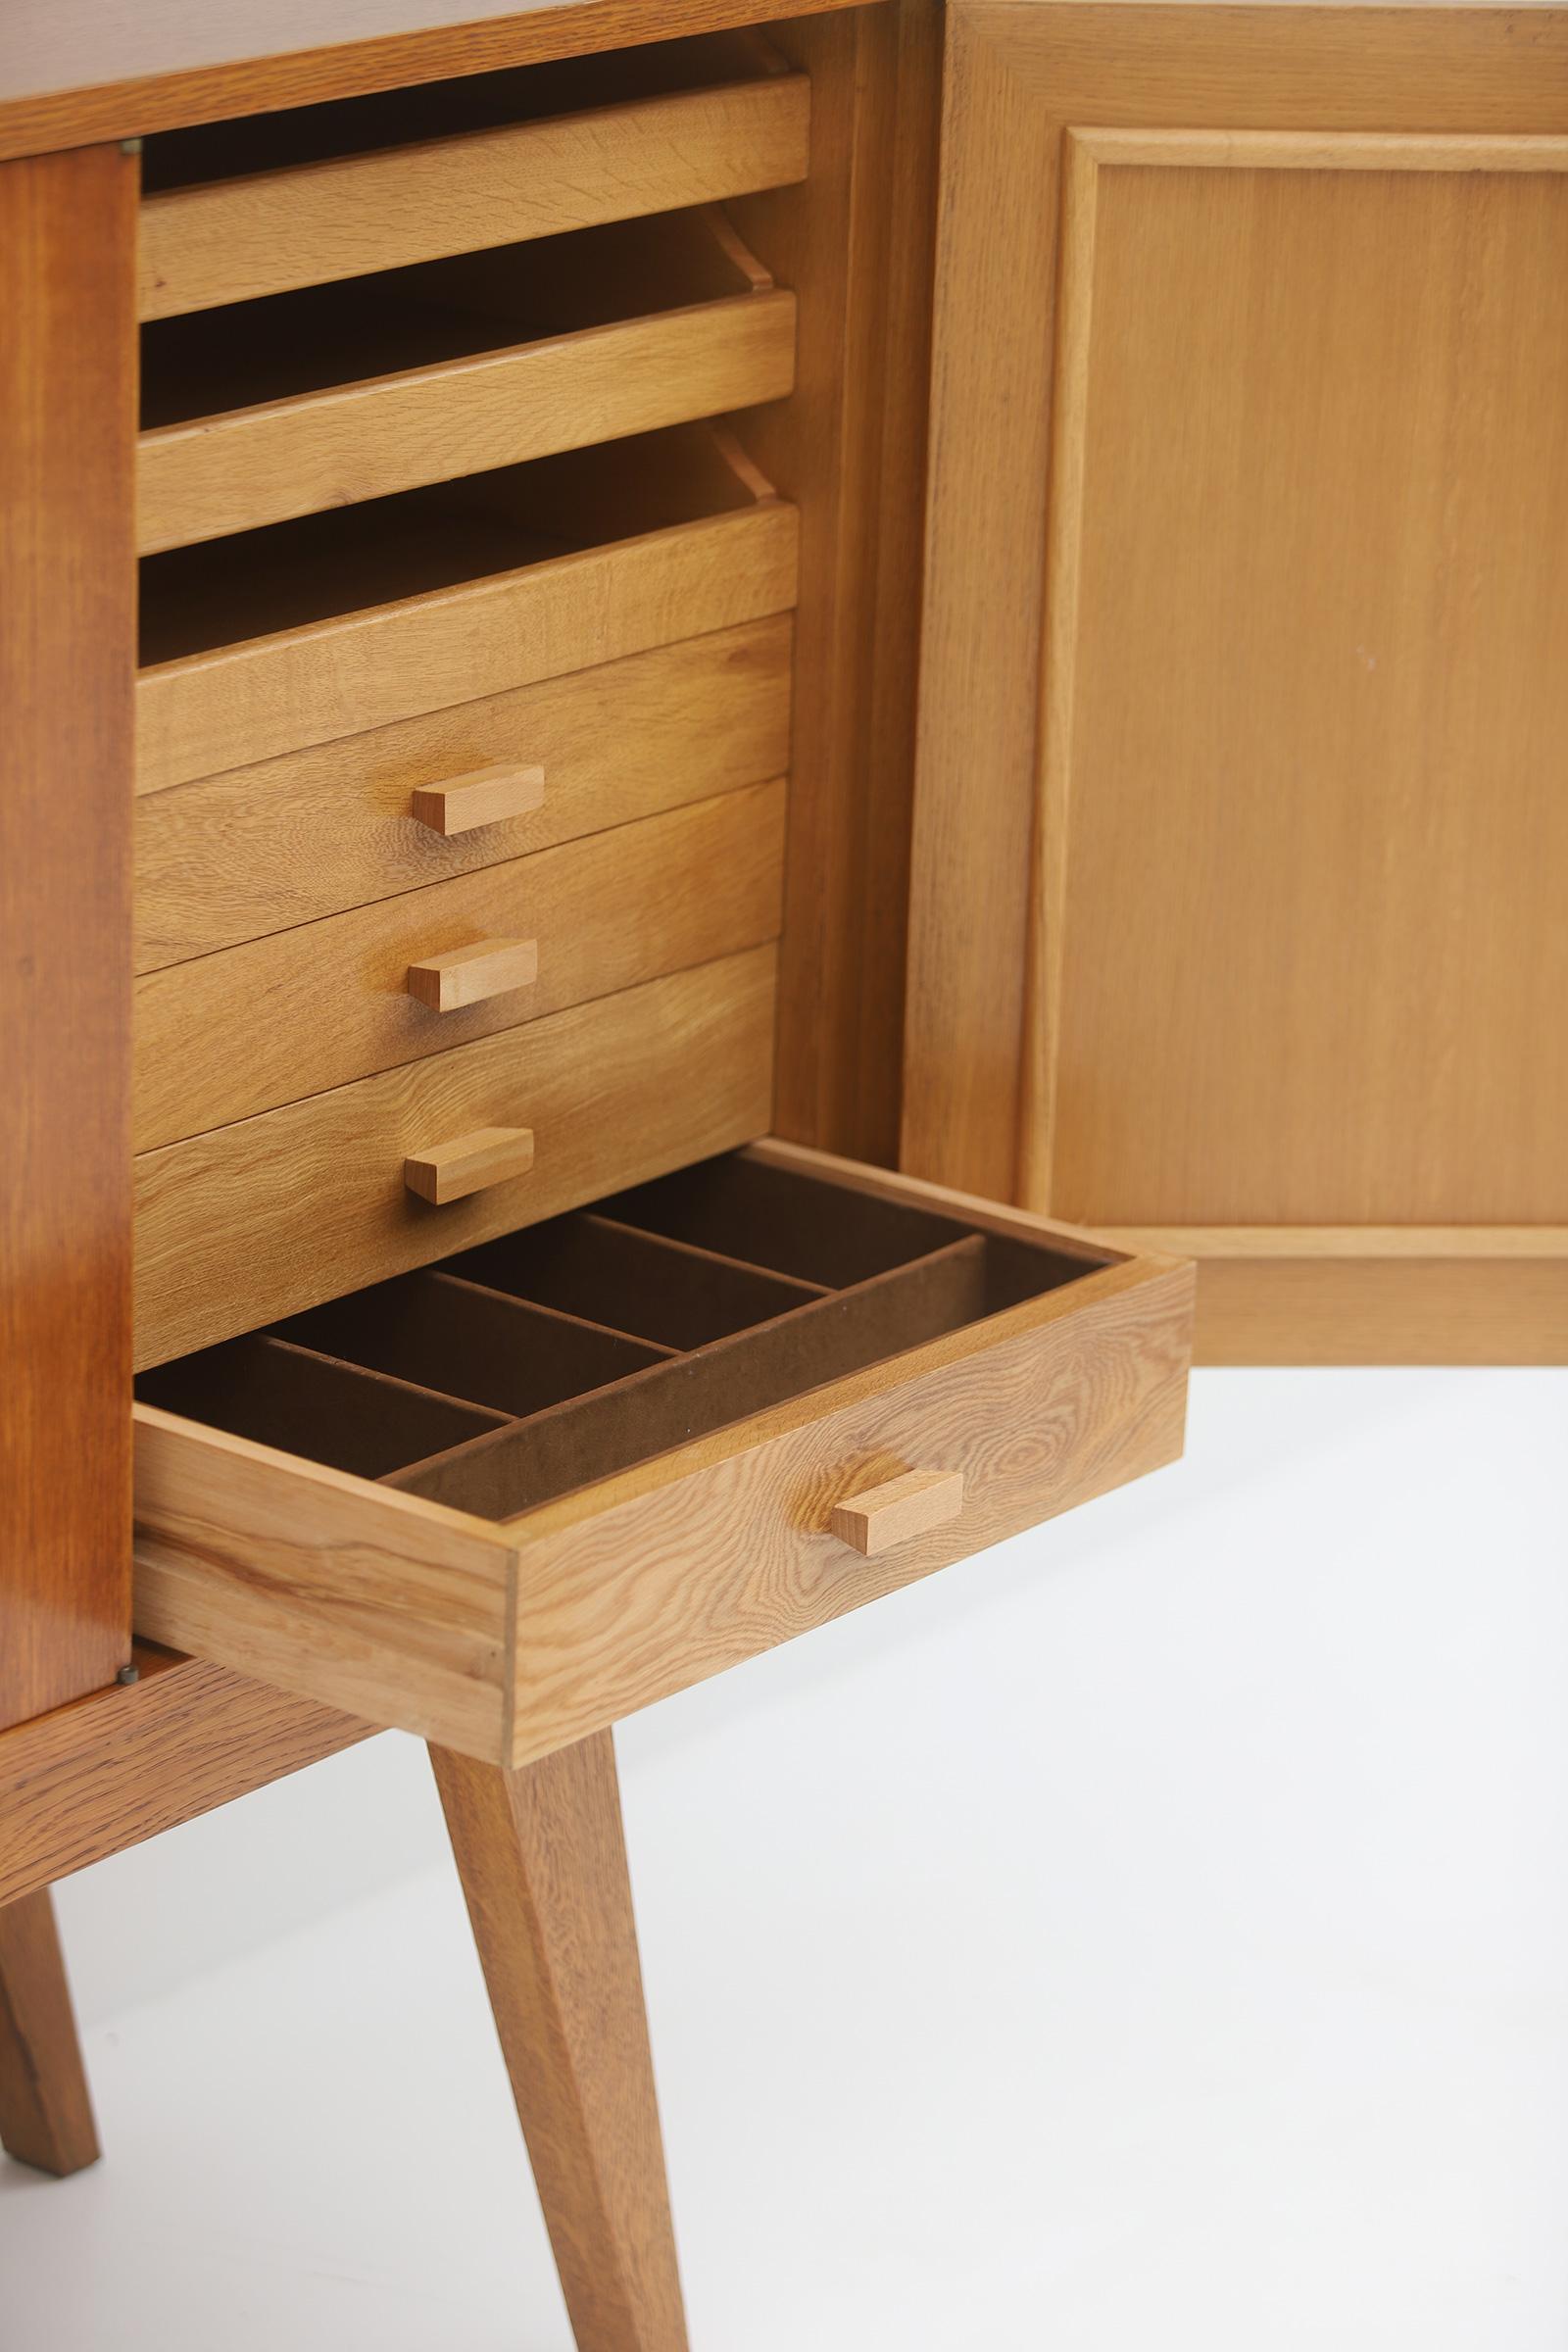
x=1043, y=81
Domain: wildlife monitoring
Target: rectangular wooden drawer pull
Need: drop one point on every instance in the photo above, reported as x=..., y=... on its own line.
x=470, y=1163
x=911, y=1505
x=487, y=797
x=470, y=975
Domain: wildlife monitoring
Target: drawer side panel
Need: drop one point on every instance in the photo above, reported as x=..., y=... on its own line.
x=328, y=1587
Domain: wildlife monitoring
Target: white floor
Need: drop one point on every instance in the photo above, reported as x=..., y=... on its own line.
x=1153, y=1935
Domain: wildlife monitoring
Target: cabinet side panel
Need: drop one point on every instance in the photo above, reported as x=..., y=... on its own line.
x=68, y=360
x=854, y=243
x=974, y=804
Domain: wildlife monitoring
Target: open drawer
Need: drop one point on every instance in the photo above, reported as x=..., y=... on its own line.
x=506, y=1501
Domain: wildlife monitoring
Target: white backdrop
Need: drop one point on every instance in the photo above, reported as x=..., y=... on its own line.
x=1152, y=1935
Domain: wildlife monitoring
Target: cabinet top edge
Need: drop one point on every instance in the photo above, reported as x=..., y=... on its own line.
x=84, y=73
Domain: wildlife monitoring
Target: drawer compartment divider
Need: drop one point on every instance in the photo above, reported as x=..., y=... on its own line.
x=574, y=1444
x=668, y=1292
x=474, y=1344
x=307, y=1401
x=767, y=1216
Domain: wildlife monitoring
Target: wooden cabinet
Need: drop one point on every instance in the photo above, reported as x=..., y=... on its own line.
x=1241, y=824
x=699, y=604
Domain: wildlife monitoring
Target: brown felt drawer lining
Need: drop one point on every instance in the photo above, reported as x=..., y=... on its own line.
x=553, y=1357
x=670, y=1292
x=264, y=1389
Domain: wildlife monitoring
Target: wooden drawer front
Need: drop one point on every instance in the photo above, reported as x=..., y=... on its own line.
x=357, y=200
x=258, y=850
x=225, y=1036
x=278, y=1211
x=323, y=399
x=415, y=604
x=898, y=1377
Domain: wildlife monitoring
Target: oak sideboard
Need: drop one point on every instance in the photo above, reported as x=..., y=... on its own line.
x=746, y=760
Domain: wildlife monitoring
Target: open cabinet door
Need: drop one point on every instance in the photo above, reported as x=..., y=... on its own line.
x=1241, y=812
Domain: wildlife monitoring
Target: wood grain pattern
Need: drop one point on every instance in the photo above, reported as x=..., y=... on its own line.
x=1370, y=1295
x=854, y=244
x=1281, y=65
x=335, y=1588
x=491, y=796
x=1453, y=1310
x=974, y=781
x=237, y=856
x=227, y=1036
x=88, y=70
x=909, y=1505
x=250, y=1222
x=1294, y=702
x=1319, y=151
x=45, y=2111
x=232, y=240
x=298, y=687
x=67, y=587
x=1370, y=832
x=93, y=1777
x=474, y=974
x=368, y=439
x=887, y=765
x=470, y=1163
x=542, y=1857
x=1017, y=78
x=680, y=1568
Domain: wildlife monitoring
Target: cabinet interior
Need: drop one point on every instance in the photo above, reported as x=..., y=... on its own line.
x=313, y=339
x=319, y=567
x=201, y=154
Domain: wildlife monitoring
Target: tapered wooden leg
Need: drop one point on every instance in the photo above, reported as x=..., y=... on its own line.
x=543, y=1863
x=45, y=2113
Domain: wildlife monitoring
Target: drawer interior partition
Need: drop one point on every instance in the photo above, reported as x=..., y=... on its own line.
x=539, y=1362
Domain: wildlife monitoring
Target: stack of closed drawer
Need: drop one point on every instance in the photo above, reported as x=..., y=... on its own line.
x=463, y=707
